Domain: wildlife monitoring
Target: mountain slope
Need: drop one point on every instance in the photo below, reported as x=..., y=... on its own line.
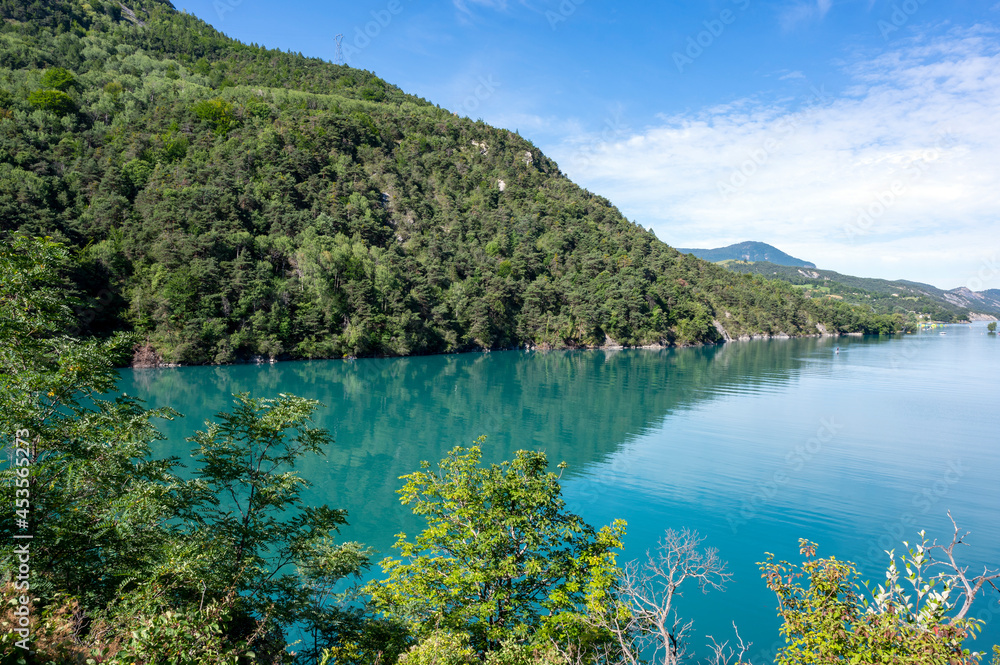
x=748, y=251
x=229, y=201
x=884, y=296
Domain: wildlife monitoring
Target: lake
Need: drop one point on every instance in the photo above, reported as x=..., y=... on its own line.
x=753, y=444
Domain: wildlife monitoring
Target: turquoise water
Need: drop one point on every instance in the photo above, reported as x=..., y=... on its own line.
x=753, y=444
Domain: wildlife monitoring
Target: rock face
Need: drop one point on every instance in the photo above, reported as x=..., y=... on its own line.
x=722, y=331
x=988, y=300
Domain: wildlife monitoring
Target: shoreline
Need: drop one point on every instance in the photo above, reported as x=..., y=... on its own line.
x=262, y=360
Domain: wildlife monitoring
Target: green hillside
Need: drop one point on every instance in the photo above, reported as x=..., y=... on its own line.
x=228, y=201
x=881, y=295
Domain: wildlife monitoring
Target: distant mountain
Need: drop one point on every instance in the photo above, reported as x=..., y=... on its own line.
x=977, y=301
x=229, y=202
x=882, y=295
x=748, y=251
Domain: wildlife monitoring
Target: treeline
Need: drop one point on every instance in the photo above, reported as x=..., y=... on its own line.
x=112, y=558
x=227, y=201
x=880, y=296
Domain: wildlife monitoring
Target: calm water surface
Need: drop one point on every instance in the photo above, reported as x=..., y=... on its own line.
x=753, y=444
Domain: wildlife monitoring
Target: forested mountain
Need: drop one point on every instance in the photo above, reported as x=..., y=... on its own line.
x=882, y=295
x=228, y=201
x=748, y=251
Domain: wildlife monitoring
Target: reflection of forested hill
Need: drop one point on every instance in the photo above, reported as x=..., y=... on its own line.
x=388, y=415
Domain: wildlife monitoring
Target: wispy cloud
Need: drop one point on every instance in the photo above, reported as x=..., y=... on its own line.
x=463, y=5
x=914, y=139
x=802, y=12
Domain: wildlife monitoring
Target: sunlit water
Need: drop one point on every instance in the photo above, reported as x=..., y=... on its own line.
x=753, y=444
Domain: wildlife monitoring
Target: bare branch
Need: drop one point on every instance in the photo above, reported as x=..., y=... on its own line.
x=723, y=654
x=648, y=591
x=957, y=575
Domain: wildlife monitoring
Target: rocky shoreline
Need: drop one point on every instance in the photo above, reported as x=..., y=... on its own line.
x=147, y=358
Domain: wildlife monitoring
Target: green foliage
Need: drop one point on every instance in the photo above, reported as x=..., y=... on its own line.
x=58, y=78
x=512, y=653
x=179, y=638
x=879, y=296
x=160, y=570
x=231, y=201
x=220, y=114
x=246, y=472
x=137, y=172
x=56, y=101
x=992, y=326
x=98, y=503
x=500, y=557
x=440, y=648
x=831, y=620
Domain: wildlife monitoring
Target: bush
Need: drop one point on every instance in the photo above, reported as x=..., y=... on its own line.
x=217, y=112
x=441, y=648
x=58, y=78
x=52, y=100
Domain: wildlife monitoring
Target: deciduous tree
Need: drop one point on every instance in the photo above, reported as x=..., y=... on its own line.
x=501, y=557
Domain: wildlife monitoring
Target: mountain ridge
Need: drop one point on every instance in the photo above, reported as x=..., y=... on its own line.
x=226, y=202
x=751, y=251
x=887, y=296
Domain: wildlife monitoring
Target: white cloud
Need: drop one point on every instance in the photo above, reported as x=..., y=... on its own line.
x=463, y=5
x=896, y=177
x=801, y=12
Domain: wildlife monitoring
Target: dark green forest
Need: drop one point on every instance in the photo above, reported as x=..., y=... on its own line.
x=226, y=201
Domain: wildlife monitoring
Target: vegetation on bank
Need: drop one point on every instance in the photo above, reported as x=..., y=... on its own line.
x=131, y=564
x=226, y=201
x=909, y=299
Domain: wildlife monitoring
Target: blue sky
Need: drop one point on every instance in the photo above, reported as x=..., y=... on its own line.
x=856, y=134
